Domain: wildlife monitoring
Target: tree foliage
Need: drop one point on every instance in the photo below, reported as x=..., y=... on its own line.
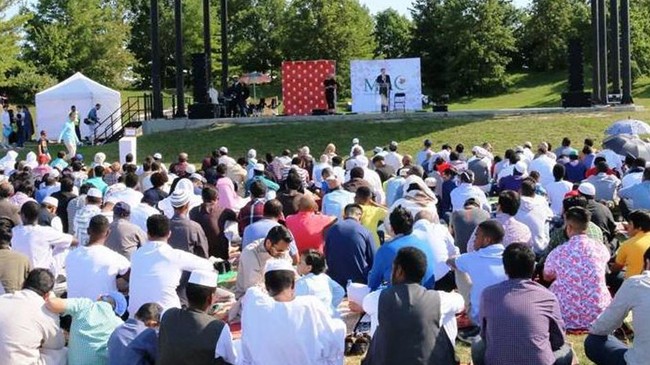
x=339, y=30
x=89, y=36
x=465, y=45
x=393, y=34
x=548, y=29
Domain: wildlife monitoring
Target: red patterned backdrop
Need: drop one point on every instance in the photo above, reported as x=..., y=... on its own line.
x=302, y=85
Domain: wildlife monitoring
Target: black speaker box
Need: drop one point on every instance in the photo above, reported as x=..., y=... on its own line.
x=576, y=100
x=441, y=108
x=576, y=67
x=318, y=112
x=200, y=78
x=203, y=111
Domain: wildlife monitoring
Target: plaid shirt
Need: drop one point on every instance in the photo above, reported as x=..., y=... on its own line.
x=252, y=212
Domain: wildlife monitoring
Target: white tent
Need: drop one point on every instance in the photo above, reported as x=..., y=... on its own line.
x=53, y=104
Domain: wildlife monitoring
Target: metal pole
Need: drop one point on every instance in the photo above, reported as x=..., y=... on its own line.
x=595, y=75
x=157, y=107
x=602, y=41
x=626, y=70
x=207, y=47
x=224, y=45
x=180, y=90
x=616, y=47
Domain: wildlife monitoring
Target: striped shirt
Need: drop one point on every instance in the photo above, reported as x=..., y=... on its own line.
x=92, y=325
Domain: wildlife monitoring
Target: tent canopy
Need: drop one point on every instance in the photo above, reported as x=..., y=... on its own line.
x=53, y=104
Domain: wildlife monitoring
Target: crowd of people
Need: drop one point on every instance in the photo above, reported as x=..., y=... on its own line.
x=509, y=254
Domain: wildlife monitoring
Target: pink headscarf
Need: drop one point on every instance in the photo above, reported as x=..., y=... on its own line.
x=228, y=198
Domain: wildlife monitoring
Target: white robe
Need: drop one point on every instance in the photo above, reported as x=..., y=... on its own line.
x=299, y=332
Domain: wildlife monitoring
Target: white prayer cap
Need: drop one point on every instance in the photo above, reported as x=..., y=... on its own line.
x=55, y=173
x=179, y=198
x=251, y=153
x=204, y=278
x=521, y=167
x=95, y=193
x=258, y=167
x=355, y=141
x=100, y=157
x=157, y=156
x=587, y=189
x=278, y=265
x=190, y=169
x=479, y=151
x=50, y=200
x=196, y=176
x=223, y=149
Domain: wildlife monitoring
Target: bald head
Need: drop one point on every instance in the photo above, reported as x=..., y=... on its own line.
x=307, y=204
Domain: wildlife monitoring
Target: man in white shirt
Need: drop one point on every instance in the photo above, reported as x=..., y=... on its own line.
x=156, y=268
x=83, y=216
x=536, y=214
x=336, y=199
x=467, y=190
x=309, y=334
x=141, y=212
x=425, y=153
x=225, y=159
x=558, y=189
x=30, y=333
x=94, y=269
x=635, y=174
x=36, y=242
x=392, y=158
x=442, y=245
x=317, y=171
x=129, y=195
x=543, y=164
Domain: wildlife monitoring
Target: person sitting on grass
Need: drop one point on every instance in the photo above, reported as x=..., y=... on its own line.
x=601, y=346
x=520, y=319
x=316, y=282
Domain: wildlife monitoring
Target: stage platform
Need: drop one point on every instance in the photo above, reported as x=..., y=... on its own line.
x=166, y=125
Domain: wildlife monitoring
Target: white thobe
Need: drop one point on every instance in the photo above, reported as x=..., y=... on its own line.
x=299, y=332
x=37, y=242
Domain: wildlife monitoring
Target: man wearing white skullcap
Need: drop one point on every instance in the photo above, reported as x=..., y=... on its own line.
x=191, y=336
x=309, y=334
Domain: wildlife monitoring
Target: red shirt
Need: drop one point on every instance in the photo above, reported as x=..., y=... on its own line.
x=307, y=229
x=593, y=171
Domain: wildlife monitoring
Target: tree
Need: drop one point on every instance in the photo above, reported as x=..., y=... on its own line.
x=465, y=45
x=640, y=37
x=256, y=37
x=393, y=33
x=66, y=36
x=548, y=29
x=339, y=30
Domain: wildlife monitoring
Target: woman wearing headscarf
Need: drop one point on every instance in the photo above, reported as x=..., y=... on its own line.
x=8, y=162
x=228, y=198
x=68, y=135
x=417, y=197
x=30, y=160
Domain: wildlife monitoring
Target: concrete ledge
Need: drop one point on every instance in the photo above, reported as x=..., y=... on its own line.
x=167, y=125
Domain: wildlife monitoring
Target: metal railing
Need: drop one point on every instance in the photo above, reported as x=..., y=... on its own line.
x=134, y=109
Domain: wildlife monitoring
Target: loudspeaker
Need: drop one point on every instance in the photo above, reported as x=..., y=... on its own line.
x=318, y=112
x=576, y=99
x=576, y=68
x=203, y=111
x=200, y=78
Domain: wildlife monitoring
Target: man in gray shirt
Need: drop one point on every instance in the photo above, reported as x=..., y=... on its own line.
x=124, y=237
x=464, y=222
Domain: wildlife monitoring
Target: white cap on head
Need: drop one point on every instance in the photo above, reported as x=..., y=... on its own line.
x=95, y=193
x=355, y=140
x=50, y=200
x=223, y=149
x=251, y=153
x=204, y=278
x=521, y=167
x=197, y=176
x=55, y=173
x=278, y=265
x=587, y=189
x=179, y=198
x=259, y=167
x=190, y=169
x=112, y=199
x=157, y=156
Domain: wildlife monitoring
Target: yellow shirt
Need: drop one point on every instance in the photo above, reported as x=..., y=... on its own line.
x=371, y=218
x=630, y=254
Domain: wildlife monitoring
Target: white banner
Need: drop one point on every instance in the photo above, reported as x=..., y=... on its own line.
x=404, y=76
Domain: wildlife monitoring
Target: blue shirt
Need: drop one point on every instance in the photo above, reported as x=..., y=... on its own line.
x=575, y=174
x=394, y=190
x=92, y=325
x=334, y=202
x=259, y=230
x=98, y=183
x=637, y=196
x=349, y=252
x=59, y=163
x=447, y=187
x=118, y=352
x=383, y=266
x=269, y=184
x=143, y=350
x=92, y=115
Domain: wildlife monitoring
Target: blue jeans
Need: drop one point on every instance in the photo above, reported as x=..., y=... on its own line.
x=605, y=350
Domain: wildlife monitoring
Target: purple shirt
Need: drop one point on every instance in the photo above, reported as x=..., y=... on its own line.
x=515, y=232
x=521, y=323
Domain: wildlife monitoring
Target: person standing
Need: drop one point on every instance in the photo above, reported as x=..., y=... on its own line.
x=69, y=135
x=385, y=86
x=93, y=120
x=331, y=87
x=190, y=335
x=6, y=126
